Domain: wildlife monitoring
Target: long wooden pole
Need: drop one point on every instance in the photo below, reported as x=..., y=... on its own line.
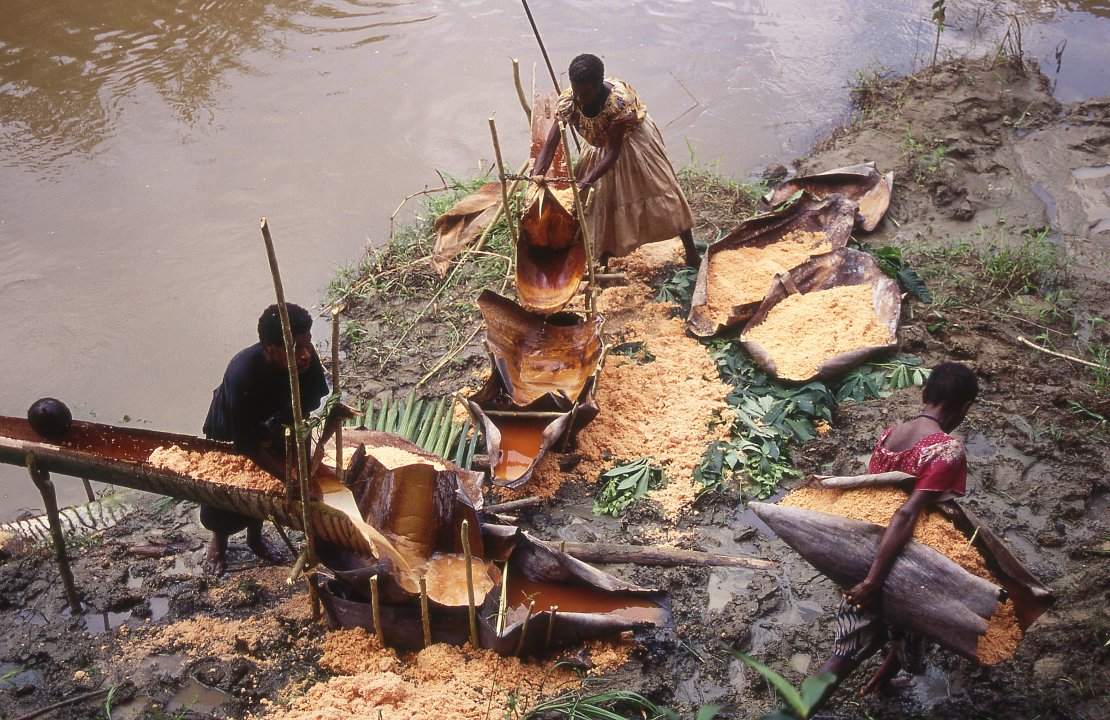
x=42, y=481
x=300, y=432
x=339, y=466
x=645, y=555
x=543, y=50
x=501, y=176
x=581, y=210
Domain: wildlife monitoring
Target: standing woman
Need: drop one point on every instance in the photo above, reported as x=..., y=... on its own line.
x=638, y=199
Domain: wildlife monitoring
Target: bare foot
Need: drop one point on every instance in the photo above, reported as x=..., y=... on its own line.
x=882, y=676
x=215, y=560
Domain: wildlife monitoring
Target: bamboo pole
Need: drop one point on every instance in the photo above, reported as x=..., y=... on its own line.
x=470, y=584
x=543, y=50
x=425, y=618
x=503, y=601
x=512, y=505
x=583, y=227
x=42, y=481
x=375, y=604
x=297, y=567
x=339, y=468
x=520, y=89
x=607, y=553
x=299, y=431
x=501, y=176
x=524, y=627
x=550, y=626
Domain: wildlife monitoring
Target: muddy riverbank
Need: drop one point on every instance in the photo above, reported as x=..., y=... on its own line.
x=999, y=201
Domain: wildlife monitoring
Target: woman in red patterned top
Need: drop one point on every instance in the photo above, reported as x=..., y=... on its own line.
x=923, y=448
x=638, y=198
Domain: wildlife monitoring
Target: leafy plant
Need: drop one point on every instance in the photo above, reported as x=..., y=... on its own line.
x=769, y=417
x=624, y=483
x=427, y=423
x=609, y=705
x=938, y=17
x=679, y=288
x=890, y=260
x=1032, y=266
x=799, y=702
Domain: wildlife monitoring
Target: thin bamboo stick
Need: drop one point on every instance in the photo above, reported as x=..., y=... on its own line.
x=520, y=89
x=470, y=584
x=503, y=601
x=297, y=567
x=1062, y=356
x=550, y=626
x=335, y=388
x=425, y=618
x=375, y=604
x=583, y=227
x=299, y=431
x=42, y=481
x=501, y=176
x=524, y=627
x=539, y=414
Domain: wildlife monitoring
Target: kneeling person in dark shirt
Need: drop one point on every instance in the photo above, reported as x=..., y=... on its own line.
x=250, y=408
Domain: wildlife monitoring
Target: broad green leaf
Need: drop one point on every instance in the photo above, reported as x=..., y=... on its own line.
x=813, y=687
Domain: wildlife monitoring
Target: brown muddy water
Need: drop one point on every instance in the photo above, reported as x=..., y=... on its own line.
x=140, y=143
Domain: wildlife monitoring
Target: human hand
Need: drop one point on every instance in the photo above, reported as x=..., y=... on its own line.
x=864, y=594
x=539, y=179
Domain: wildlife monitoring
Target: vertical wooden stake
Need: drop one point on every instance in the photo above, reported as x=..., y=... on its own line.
x=289, y=462
x=88, y=489
x=501, y=176
x=300, y=432
x=42, y=481
x=376, y=608
x=425, y=618
x=470, y=583
x=524, y=628
x=550, y=626
x=339, y=465
x=581, y=210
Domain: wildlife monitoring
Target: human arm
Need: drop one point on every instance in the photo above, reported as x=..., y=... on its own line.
x=897, y=534
x=614, y=141
x=547, y=154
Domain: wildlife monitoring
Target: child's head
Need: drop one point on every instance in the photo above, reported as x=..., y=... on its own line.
x=952, y=387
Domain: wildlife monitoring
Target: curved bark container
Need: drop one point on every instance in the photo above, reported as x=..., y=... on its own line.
x=574, y=602
x=832, y=216
x=550, y=253
x=862, y=183
x=836, y=269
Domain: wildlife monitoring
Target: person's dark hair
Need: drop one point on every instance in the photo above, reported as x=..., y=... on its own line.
x=950, y=385
x=50, y=418
x=586, y=69
x=269, y=324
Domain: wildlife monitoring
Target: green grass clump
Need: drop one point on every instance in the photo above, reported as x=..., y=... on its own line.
x=400, y=314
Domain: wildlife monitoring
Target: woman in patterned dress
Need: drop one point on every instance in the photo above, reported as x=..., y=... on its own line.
x=638, y=199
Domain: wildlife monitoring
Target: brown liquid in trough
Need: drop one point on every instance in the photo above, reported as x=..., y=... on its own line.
x=520, y=446
x=569, y=598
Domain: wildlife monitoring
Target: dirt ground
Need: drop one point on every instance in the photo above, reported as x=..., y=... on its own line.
x=984, y=159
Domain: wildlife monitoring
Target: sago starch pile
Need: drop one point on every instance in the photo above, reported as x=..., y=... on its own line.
x=805, y=330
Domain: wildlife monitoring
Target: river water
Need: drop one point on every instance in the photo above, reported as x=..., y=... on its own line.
x=141, y=142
